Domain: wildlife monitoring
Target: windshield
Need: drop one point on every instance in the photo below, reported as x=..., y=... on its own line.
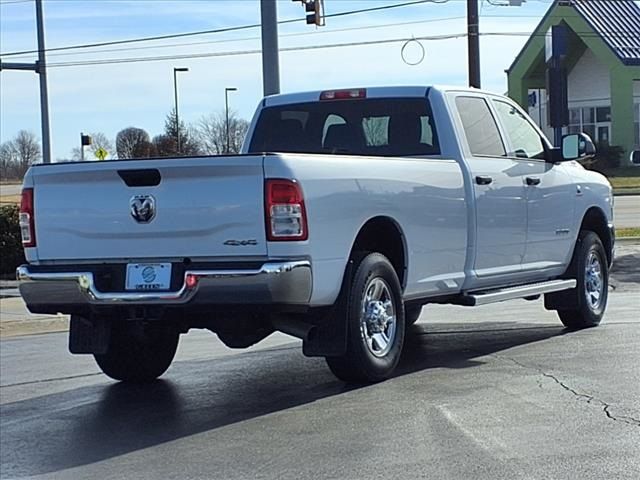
x=388, y=127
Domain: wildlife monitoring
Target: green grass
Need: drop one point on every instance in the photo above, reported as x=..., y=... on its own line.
x=9, y=199
x=628, y=232
x=625, y=182
x=623, y=172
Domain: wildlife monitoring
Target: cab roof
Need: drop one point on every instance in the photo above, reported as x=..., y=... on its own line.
x=371, y=92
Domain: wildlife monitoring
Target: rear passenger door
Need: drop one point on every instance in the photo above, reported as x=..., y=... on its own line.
x=501, y=209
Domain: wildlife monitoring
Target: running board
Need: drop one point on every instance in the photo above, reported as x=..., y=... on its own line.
x=472, y=299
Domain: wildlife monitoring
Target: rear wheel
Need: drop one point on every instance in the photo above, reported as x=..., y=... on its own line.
x=375, y=323
x=138, y=352
x=586, y=304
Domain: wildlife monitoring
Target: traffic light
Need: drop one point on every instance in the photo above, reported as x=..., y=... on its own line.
x=314, y=10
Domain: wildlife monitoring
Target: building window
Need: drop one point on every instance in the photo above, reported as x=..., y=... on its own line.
x=594, y=121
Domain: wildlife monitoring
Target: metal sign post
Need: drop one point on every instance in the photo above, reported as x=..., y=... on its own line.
x=556, y=47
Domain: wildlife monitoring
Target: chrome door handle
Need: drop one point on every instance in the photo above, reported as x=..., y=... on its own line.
x=483, y=179
x=533, y=181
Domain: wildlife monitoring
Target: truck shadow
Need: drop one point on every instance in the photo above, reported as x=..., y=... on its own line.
x=625, y=272
x=88, y=424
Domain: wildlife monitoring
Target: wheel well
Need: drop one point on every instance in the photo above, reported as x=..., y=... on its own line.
x=596, y=221
x=383, y=235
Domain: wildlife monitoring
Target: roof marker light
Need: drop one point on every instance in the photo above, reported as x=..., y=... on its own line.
x=343, y=94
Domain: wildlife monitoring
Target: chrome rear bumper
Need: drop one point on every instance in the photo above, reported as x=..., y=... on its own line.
x=287, y=282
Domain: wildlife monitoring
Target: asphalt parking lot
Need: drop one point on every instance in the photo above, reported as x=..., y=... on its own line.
x=498, y=392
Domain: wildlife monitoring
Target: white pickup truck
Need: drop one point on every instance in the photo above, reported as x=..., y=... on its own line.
x=346, y=212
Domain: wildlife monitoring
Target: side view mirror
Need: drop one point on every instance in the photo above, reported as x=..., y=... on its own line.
x=577, y=146
x=635, y=157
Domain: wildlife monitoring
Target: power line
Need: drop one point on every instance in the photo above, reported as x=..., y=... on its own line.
x=244, y=39
x=219, y=30
x=113, y=61
x=244, y=52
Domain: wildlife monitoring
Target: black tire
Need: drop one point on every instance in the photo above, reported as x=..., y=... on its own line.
x=368, y=357
x=587, y=302
x=138, y=353
x=412, y=314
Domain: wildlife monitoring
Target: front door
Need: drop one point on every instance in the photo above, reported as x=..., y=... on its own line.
x=550, y=192
x=501, y=209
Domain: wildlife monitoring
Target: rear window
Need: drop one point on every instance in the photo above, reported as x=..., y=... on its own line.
x=387, y=127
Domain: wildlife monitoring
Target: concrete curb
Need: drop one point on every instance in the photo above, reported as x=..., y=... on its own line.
x=18, y=328
x=627, y=240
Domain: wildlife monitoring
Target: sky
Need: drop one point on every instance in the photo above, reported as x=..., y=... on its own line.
x=107, y=98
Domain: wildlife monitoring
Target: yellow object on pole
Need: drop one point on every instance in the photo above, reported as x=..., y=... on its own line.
x=101, y=153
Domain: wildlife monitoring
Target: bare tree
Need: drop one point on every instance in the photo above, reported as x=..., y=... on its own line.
x=76, y=155
x=166, y=144
x=100, y=140
x=18, y=154
x=133, y=142
x=212, y=131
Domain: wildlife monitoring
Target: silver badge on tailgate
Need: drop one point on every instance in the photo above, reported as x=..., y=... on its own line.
x=143, y=208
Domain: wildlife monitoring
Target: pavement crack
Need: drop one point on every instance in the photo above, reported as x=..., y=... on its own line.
x=589, y=399
x=47, y=380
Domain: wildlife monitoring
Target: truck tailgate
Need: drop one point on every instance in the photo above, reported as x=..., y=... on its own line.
x=204, y=207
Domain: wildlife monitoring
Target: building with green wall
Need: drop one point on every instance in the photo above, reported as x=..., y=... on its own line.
x=603, y=64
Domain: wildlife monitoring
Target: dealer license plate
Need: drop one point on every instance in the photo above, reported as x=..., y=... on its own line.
x=148, y=276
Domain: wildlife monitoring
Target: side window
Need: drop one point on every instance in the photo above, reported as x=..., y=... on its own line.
x=480, y=127
x=525, y=140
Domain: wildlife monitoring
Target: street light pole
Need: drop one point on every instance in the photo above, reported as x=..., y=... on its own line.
x=175, y=92
x=270, y=58
x=226, y=111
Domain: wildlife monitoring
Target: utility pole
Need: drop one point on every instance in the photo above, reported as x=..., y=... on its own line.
x=473, y=39
x=44, y=92
x=226, y=111
x=40, y=67
x=175, y=92
x=270, y=61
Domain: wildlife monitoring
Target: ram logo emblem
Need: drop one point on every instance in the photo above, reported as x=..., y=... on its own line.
x=143, y=208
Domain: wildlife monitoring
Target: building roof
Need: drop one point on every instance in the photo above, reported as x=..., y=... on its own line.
x=617, y=22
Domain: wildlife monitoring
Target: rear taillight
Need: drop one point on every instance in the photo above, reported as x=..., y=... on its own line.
x=27, y=219
x=285, y=215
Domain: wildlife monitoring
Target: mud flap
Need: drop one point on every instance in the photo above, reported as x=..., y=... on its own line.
x=564, y=300
x=328, y=337
x=89, y=335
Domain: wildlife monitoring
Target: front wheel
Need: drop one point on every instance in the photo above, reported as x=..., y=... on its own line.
x=375, y=323
x=138, y=352
x=588, y=301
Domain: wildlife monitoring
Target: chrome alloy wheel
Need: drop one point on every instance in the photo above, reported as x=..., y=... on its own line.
x=378, y=318
x=593, y=281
